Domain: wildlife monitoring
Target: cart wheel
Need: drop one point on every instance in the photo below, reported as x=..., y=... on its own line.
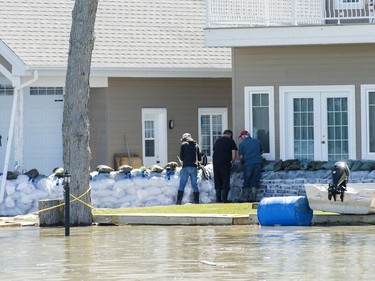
x=334, y=197
x=342, y=196
x=329, y=196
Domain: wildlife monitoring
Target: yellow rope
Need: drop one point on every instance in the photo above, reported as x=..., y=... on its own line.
x=74, y=199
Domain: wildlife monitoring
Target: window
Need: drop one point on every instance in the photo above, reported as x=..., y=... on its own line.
x=368, y=124
x=212, y=123
x=349, y=4
x=6, y=90
x=149, y=138
x=259, y=117
x=34, y=91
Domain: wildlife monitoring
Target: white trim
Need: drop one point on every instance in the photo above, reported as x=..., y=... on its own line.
x=161, y=149
x=350, y=89
x=365, y=89
x=248, y=120
x=151, y=72
x=212, y=110
x=291, y=35
x=18, y=66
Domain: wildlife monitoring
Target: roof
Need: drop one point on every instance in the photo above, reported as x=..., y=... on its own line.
x=132, y=33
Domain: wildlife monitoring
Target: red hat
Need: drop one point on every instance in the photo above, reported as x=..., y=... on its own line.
x=244, y=132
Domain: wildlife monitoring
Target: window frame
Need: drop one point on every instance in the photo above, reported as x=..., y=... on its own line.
x=339, y=4
x=212, y=111
x=365, y=121
x=285, y=91
x=249, y=92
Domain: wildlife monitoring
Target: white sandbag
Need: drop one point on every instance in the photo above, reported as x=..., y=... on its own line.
x=9, y=203
x=141, y=195
x=24, y=203
x=26, y=187
x=101, y=193
x=105, y=183
x=21, y=178
x=170, y=191
x=156, y=181
x=141, y=182
x=10, y=187
x=153, y=190
x=119, y=193
x=129, y=198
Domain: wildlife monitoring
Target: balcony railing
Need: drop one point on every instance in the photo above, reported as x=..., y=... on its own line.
x=228, y=13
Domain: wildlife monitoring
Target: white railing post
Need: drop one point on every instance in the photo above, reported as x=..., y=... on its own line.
x=294, y=12
x=208, y=12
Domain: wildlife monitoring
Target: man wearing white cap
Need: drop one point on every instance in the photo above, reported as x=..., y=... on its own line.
x=190, y=156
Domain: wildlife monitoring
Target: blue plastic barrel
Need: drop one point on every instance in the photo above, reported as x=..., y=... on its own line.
x=285, y=211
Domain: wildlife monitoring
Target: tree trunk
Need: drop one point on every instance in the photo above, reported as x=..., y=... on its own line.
x=76, y=134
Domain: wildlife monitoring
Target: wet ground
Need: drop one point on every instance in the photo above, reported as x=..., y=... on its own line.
x=247, y=252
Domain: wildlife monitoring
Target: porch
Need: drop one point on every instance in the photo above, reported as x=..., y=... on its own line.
x=248, y=23
x=261, y=13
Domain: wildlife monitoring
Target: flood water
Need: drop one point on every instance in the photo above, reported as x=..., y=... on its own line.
x=188, y=253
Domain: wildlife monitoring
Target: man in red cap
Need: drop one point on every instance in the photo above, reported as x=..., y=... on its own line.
x=250, y=151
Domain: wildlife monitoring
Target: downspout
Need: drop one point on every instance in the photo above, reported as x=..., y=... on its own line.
x=11, y=130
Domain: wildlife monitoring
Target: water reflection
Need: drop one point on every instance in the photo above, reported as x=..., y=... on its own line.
x=188, y=253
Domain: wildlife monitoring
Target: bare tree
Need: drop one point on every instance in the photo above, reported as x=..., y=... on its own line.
x=76, y=134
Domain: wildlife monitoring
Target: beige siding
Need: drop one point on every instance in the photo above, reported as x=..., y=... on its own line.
x=98, y=126
x=181, y=98
x=301, y=66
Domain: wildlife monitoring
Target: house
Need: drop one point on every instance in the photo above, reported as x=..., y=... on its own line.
x=152, y=79
x=303, y=74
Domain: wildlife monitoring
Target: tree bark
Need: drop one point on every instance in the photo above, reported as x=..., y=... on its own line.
x=76, y=136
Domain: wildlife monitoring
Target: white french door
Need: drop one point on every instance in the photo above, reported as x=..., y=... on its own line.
x=317, y=123
x=154, y=136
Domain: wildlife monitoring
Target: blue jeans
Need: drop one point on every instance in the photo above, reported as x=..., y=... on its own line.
x=252, y=174
x=185, y=173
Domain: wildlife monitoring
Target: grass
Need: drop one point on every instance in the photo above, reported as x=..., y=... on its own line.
x=233, y=209
x=228, y=209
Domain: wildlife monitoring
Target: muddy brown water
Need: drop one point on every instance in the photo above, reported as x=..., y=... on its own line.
x=188, y=253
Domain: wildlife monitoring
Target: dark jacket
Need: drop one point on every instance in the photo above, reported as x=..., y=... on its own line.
x=190, y=153
x=223, y=151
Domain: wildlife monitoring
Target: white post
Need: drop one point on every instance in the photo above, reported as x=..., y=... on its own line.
x=11, y=130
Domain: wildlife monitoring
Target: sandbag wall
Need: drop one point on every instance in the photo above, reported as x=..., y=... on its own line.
x=145, y=188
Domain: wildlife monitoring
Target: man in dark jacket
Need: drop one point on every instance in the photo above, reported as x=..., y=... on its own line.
x=225, y=151
x=189, y=156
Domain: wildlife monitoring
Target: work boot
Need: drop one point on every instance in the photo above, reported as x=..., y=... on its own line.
x=196, y=197
x=254, y=192
x=224, y=195
x=180, y=194
x=218, y=196
x=245, y=196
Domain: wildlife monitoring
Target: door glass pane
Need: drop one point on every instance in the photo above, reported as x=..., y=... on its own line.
x=337, y=122
x=371, y=121
x=205, y=134
x=303, y=128
x=261, y=129
x=211, y=130
x=149, y=138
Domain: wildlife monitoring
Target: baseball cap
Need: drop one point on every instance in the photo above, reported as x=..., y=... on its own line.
x=185, y=136
x=244, y=132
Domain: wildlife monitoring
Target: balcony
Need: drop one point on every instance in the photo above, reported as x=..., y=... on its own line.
x=288, y=22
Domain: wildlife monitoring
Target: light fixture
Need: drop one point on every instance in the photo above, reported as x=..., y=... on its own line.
x=170, y=124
